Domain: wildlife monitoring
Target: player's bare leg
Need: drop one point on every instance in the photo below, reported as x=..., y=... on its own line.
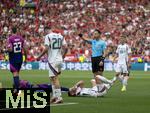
x=79, y=84
x=93, y=82
x=98, y=76
x=57, y=97
x=73, y=89
x=100, y=83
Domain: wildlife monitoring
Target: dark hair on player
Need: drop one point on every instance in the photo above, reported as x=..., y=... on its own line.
x=14, y=30
x=98, y=31
x=71, y=95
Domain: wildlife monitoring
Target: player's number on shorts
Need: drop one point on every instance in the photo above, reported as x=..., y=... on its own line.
x=17, y=47
x=57, y=43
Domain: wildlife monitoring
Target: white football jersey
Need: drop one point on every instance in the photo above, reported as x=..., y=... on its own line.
x=85, y=91
x=55, y=41
x=123, y=51
x=94, y=91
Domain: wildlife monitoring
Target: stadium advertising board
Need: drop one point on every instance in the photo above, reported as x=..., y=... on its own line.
x=109, y=66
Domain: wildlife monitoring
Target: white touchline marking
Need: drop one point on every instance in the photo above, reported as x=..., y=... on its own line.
x=71, y=103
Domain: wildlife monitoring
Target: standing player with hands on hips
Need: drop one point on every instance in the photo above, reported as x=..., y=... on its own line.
x=15, y=48
x=56, y=47
x=98, y=55
x=123, y=53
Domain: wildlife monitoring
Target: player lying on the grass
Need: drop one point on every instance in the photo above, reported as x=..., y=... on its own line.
x=77, y=90
x=23, y=84
x=95, y=91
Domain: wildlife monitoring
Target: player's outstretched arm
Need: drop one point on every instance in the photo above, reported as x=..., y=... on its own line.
x=79, y=84
x=85, y=38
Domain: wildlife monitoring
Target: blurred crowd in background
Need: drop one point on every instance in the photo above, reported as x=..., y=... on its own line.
x=114, y=18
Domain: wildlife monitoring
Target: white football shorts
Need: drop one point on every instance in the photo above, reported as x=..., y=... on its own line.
x=54, y=68
x=122, y=68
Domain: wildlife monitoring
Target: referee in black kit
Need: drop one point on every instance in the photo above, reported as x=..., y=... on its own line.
x=98, y=55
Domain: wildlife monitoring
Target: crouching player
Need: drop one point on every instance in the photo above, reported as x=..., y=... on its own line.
x=95, y=91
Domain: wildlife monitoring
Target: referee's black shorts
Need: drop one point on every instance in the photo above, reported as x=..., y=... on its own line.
x=95, y=64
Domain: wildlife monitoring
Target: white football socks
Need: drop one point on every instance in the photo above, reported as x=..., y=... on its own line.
x=114, y=79
x=120, y=78
x=53, y=90
x=57, y=93
x=124, y=82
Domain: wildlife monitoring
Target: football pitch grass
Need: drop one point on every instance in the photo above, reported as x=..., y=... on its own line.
x=135, y=100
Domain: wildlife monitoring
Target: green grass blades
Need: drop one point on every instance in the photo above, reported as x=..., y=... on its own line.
x=135, y=100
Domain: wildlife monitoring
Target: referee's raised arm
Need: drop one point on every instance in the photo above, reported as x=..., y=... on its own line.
x=85, y=38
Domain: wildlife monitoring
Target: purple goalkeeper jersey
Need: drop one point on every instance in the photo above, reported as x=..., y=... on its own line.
x=15, y=42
